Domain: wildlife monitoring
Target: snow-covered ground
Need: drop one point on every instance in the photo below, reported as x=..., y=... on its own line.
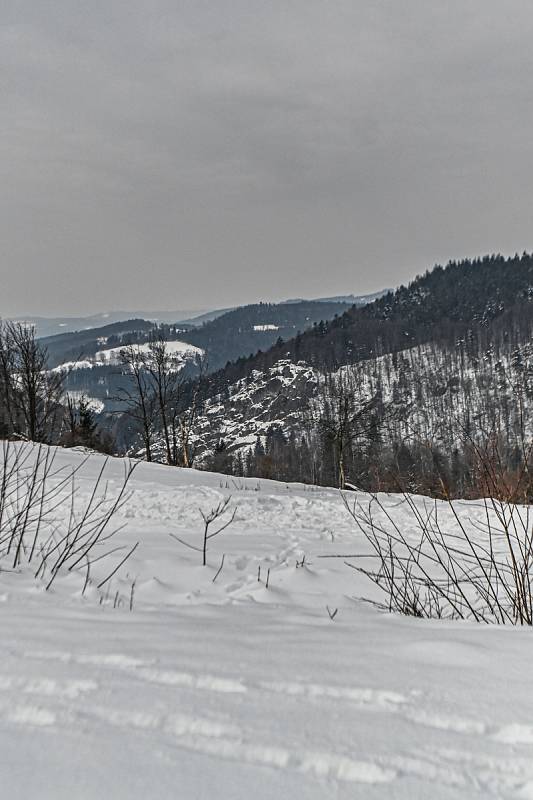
x=232, y=690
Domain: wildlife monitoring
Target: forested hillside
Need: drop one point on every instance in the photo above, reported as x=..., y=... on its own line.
x=248, y=329
x=409, y=417
x=461, y=300
x=401, y=390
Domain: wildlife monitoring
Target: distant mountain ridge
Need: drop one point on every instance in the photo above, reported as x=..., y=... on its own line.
x=51, y=326
x=349, y=299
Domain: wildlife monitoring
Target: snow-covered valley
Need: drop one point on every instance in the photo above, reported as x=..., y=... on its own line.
x=217, y=686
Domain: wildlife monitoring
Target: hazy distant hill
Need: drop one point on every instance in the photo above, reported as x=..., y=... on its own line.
x=349, y=299
x=50, y=326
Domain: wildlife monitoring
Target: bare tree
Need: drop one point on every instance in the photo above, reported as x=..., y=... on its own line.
x=184, y=419
x=342, y=417
x=139, y=397
x=209, y=517
x=161, y=401
x=166, y=383
x=7, y=372
x=31, y=394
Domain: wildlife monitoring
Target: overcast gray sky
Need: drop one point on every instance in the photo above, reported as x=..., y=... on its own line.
x=200, y=154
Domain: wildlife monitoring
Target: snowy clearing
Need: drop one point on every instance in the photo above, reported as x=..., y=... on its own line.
x=178, y=350
x=70, y=366
x=225, y=688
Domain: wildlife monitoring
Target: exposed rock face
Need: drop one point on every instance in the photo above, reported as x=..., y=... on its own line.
x=253, y=405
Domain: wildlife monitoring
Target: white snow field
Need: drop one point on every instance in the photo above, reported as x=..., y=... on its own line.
x=232, y=690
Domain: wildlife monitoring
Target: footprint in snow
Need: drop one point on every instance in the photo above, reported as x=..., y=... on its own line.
x=31, y=715
x=515, y=733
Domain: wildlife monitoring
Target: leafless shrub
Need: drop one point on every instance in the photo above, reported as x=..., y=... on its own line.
x=45, y=525
x=479, y=569
x=444, y=559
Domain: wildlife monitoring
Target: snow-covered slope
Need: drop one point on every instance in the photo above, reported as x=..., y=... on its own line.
x=430, y=392
x=216, y=686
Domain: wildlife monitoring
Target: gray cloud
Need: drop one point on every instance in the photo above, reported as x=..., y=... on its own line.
x=180, y=154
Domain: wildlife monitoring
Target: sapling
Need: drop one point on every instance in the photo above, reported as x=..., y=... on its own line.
x=209, y=518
